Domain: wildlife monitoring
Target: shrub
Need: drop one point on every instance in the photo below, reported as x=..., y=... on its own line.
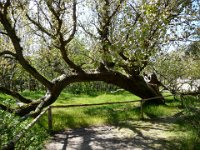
x=12, y=125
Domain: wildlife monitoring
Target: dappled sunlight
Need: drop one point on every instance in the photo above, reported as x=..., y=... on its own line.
x=128, y=135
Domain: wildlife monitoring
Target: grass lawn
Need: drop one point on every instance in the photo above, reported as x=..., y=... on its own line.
x=67, y=98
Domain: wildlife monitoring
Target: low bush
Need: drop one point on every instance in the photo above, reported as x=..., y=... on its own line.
x=11, y=126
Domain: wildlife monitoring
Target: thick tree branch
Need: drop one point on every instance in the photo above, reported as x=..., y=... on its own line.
x=4, y=19
x=108, y=77
x=15, y=95
x=8, y=53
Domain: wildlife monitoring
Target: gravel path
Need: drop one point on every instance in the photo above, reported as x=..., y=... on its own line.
x=136, y=135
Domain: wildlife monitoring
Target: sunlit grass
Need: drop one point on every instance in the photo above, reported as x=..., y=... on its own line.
x=33, y=94
x=95, y=115
x=160, y=111
x=67, y=98
x=4, y=96
x=6, y=100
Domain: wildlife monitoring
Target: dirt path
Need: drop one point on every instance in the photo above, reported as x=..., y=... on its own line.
x=136, y=135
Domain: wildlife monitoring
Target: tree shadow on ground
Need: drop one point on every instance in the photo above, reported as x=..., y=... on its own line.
x=110, y=138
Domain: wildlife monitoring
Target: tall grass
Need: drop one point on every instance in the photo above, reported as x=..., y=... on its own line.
x=33, y=94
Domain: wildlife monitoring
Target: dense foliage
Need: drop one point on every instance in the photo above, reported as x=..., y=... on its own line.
x=11, y=126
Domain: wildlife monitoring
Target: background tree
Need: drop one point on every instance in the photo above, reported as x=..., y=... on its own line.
x=178, y=67
x=118, y=40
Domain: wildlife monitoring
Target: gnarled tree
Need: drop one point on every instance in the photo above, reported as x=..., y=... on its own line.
x=113, y=39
